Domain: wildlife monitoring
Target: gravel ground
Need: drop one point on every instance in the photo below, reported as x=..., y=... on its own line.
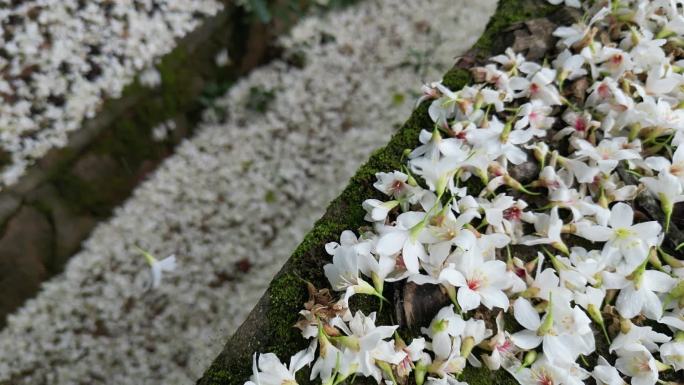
x=235, y=200
x=59, y=59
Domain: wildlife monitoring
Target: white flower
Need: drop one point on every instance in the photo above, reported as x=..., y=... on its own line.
x=592, y=300
x=605, y=374
x=591, y=263
x=499, y=140
x=575, y=34
x=674, y=166
x=672, y=353
x=548, y=229
x=578, y=169
x=433, y=145
x=414, y=353
x=668, y=189
x=545, y=281
x=443, y=327
x=446, y=380
x=222, y=58
x=569, y=65
x=632, y=240
x=503, y=349
x=438, y=172
x=509, y=59
x=377, y=210
x=392, y=184
x=539, y=86
x=367, y=341
x=404, y=237
x=454, y=363
x=638, y=291
x=479, y=281
x=564, y=334
x=638, y=364
x=329, y=358
x=607, y=154
x=343, y=273
x=638, y=337
x=579, y=124
x=542, y=372
x=536, y=115
x=614, y=61
x=674, y=319
x=150, y=77
x=157, y=267
x=270, y=371
x=474, y=332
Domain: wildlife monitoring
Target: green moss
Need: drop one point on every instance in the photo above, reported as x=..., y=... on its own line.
x=286, y=294
x=457, y=78
x=508, y=13
x=484, y=376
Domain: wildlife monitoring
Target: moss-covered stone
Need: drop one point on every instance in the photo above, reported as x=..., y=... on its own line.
x=508, y=13
x=269, y=328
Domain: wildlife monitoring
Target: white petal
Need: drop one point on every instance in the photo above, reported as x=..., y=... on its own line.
x=494, y=298
x=525, y=314
x=653, y=308
x=526, y=339
x=658, y=281
x=468, y=299
x=629, y=302
x=441, y=344
x=391, y=242
x=621, y=215
x=168, y=263
x=452, y=276
x=412, y=252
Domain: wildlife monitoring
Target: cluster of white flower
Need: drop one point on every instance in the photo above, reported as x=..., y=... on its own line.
x=59, y=59
x=233, y=201
x=610, y=103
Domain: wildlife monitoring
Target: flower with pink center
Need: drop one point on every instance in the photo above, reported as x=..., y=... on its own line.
x=479, y=282
x=638, y=364
x=579, y=124
x=503, y=349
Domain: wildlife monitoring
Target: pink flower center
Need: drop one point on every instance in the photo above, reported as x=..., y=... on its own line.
x=534, y=88
x=616, y=59
x=544, y=379
x=581, y=124
x=520, y=272
x=604, y=90
x=474, y=284
x=512, y=214
x=505, y=346
x=397, y=186
x=401, y=265
x=533, y=116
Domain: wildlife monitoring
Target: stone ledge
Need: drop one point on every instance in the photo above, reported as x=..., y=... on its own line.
x=269, y=327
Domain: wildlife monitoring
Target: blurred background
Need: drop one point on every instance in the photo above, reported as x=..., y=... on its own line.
x=213, y=131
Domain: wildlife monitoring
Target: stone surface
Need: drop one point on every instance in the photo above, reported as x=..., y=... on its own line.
x=69, y=227
x=24, y=247
x=9, y=204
